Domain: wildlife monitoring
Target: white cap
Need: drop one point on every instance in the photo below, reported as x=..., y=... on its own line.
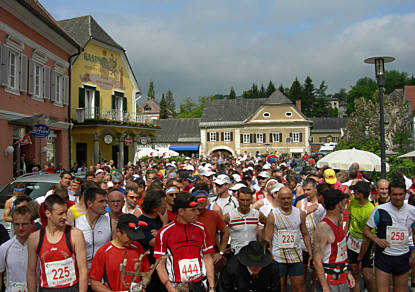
x=236, y=177
x=266, y=166
x=190, y=167
x=237, y=187
x=222, y=179
x=206, y=172
x=276, y=188
x=264, y=174
x=99, y=171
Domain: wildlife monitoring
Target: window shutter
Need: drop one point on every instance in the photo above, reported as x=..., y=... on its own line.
x=265, y=137
x=113, y=102
x=252, y=138
x=301, y=137
x=124, y=104
x=208, y=136
x=23, y=73
x=53, y=86
x=291, y=135
x=242, y=138
x=31, y=77
x=270, y=138
x=222, y=134
x=46, y=82
x=65, y=90
x=231, y=136
x=4, y=65
x=81, y=98
x=280, y=137
x=97, y=105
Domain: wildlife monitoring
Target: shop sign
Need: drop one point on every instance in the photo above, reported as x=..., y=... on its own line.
x=40, y=131
x=128, y=140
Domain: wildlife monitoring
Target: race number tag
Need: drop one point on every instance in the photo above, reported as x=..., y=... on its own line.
x=189, y=269
x=354, y=243
x=397, y=235
x=18, y=287
x=341, y=251
x=60, y=273
x=136, y=287
x=287, y=238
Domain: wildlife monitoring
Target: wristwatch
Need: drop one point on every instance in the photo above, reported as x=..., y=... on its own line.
x=221, y=253
x=212, y=288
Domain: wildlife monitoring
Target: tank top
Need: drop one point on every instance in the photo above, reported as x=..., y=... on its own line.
x=243, y=228
x=58, y=268
x=286, y=246
x=335, y=254
x=312, y=219
x=75, y=212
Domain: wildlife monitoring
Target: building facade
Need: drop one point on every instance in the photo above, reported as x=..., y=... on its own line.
x=103, y=107
x=34, y=88
x=326, y=130
x=236, y=126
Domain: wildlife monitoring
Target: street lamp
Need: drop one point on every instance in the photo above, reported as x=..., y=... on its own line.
x=380, y=77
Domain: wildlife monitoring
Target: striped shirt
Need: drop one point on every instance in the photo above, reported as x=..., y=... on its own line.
x=243, y=228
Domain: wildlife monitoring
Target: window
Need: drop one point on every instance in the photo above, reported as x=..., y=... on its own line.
x=226, y=136
x=59, y=89
x=276, y=137
x=259, y=138
x=147, y=109
x=311, y=139
x=288, y=114
x=322, y=139
x=335, y=139
x=38, y=81
x=89, y=104
x=212, y=136
x=266, y=115
x=13, y=73
x=246, y=138
x=296, y=137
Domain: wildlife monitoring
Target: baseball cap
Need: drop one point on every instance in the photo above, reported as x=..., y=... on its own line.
x=222, y=179
x=236, y=177
x=330, y=176
x=237, y=187
x=131, y=226
x=206, y=172
x=276, y=188
x=264, y=174
x=186, y=175
x=99, y=171
x=266, y=167
x=361, y=187
x=332, y=197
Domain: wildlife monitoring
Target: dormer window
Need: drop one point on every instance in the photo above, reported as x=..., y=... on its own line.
x=147, y=108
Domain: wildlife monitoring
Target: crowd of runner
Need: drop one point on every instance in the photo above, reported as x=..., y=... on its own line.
x=212, y=224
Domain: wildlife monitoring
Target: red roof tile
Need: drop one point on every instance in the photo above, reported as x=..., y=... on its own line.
x=410, y=94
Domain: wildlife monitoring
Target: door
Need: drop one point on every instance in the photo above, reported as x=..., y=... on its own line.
x=115, y=154
x=126, y=154
x=81, y=153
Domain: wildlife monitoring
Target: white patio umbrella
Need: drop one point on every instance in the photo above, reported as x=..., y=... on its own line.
x=342, y=159
x=408, y=155
x=146, y=152
x=168, y=153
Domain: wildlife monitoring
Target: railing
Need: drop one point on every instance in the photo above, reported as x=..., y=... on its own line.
x=96, y=113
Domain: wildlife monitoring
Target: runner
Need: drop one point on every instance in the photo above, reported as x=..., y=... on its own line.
x=13, y=253
x=171, y=193
x=392, y=221
x=105, y=272
x=243, y=221
x=330, y=248
x=188, y=260
x=95, y=224
x=115, y=204
x=360, y=209
x=382, y=187
x=281, y=229
x=131, y=198
x=60, y=251
x=18, y=190
x=262, y=178
x=223, y=199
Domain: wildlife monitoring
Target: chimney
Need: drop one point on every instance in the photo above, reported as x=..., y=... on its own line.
x=298, y=104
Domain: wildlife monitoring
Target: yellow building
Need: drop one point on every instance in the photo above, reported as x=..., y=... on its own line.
x=103, y=98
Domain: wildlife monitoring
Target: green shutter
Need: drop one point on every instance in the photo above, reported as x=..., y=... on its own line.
x=113, y=102
x=81, y=98
x=97, y=105
x=124, y=104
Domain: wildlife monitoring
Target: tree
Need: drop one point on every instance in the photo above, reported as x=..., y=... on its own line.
x=364, y=87
x=395, y=80
x=321, y=90
x=191, y=110
x=308, y=98
x=341, y=95
x=150, y=93
x=232, y=94
x=164, y=112
x=171, y=105
x=270, y=89
x=296, y=90
x=262, y=91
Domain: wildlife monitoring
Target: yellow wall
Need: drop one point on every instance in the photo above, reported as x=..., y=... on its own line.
x=277, y=113
x=316, y=137
x=103, y=68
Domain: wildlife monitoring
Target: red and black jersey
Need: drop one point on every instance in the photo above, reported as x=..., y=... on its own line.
x=184, y=243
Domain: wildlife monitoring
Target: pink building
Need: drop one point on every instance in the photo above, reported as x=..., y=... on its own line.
x=34, y=87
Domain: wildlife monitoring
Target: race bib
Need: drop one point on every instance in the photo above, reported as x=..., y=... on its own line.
x=60, y=273
x=354, y=243
x=287, y=238
x=18, y=287
x=341, y=251
x=189, y=269
x=136, y=287
x=397, y=235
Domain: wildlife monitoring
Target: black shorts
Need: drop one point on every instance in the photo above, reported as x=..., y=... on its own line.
x=395, y=265
x=367, y=261
x=306, y=256
x=74, y=288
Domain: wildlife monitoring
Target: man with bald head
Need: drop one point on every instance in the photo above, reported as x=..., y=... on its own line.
x=382, y=187
x=115, y=203
x=282, y=229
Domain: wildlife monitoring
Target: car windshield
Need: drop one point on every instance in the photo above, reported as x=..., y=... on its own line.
x=32, y=189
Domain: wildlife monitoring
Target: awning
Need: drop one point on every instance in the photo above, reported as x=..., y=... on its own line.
x=184, y=147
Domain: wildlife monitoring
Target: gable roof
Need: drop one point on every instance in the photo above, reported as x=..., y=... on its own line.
x=236, y=111
x=328, y=125
x=178, y=131
x=84, y=28
x=409, y=93
x=154, y=105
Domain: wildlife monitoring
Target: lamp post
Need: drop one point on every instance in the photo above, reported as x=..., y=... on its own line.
x=380, y=77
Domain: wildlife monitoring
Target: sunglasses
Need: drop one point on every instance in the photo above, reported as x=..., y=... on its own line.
x=136, y=225
x=132, y=197
x=116, y=183
x=172, y=194
x=197, y=202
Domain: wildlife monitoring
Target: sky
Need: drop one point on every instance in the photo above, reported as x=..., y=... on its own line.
x=201, y=48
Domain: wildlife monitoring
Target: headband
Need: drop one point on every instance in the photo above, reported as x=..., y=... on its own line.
x=171, y=189
x=19, y=190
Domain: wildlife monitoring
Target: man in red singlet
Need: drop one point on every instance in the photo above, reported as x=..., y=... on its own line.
x=60, y=249
x=330, y=248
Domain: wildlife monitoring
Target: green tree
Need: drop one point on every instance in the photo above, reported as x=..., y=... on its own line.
x=191, y=110
x=322, y=89
x=232, y=94
x=150, y=93
x=341, y=95
x=296, y=90
x=171, y=105
x=270, y=89
x=164, y=112
x=308, y=98
x=395, y=80
x=262, y=91
x=364, y=87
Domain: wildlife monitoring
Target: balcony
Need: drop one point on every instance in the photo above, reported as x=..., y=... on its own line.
x=98, y=116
